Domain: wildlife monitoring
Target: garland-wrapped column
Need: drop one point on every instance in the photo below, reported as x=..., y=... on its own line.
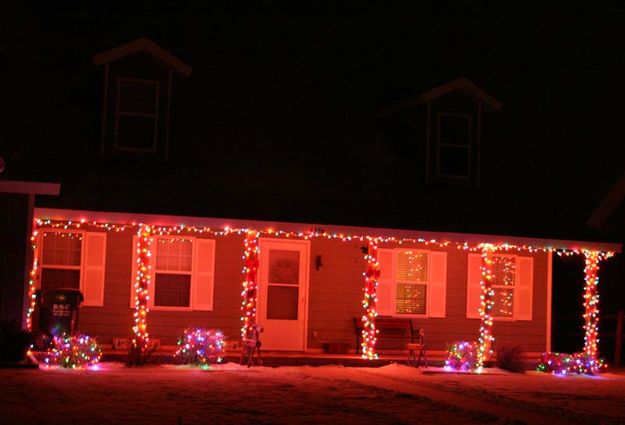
x=369, y=331
x=32, y=295
x=140, y=340
x=591, y=305
x=249, y=294
x=486, y=339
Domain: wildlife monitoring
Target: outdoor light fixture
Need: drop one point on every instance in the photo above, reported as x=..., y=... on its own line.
x=318, y=262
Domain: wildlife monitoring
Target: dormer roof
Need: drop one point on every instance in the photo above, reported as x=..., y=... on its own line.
x=459, y=84
x=143, y=45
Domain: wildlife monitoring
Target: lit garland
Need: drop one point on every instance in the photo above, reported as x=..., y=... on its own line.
x=369, y=302
x=140, y=339
x=562, y=364
x=462, y=356
x=591, y=304
x=75, y=351
x=486, y=338
x=32, y=276
x=369, y=331
x=200, y=346
x=249, y=294
x=314, y=232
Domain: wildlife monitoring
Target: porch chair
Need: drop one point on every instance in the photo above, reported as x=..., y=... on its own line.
x=416, y=350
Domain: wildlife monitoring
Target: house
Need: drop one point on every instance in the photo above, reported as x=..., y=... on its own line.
x=309, y=279
x=173, y=148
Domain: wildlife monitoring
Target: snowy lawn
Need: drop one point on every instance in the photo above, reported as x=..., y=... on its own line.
x=328, y=394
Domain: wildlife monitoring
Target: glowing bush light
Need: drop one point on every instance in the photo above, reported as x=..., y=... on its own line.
x=73, y=352
x=462, y=356
x=200, y=346
x=564, y=364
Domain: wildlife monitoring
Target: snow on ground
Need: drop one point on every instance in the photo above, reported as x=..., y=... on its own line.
x=233, y=394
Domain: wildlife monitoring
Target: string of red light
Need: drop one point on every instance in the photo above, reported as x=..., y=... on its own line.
x=251, y=253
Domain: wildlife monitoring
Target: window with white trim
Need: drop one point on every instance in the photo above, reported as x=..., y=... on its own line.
x=513, y=282
x=412, y=282
x=73, y=260
x=136, y=115
x=182, y=273
x=172, y=272
x=411, y=276
x=453, y=146
x=61, y=259
x=504, y=277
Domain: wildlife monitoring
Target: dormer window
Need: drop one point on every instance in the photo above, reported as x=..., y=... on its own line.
x=453, y=146
x=449, y=137
x=137, y=97
x=136, y=116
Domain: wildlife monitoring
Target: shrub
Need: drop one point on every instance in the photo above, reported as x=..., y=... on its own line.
x=74, y=351
x=200, y=346
x=563, y=363
x=509, y=358
x=461, y=356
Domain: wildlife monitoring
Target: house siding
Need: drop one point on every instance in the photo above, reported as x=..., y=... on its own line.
x=114, y=319
x=336, y=293
x=335, y=298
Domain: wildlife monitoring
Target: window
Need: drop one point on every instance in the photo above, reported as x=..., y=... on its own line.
x=504, y=277
x=74, y=259
x=453, y=146
x=513, y=277
x=61, y=260
x=411, y=274
x=172, y=283
x=412, y=282
x=182, y=273
x=136, y=115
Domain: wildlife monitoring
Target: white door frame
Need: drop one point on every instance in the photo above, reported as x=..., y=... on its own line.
x=304, y=246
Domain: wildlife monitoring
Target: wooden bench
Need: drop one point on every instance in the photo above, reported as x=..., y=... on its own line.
x=398, y=332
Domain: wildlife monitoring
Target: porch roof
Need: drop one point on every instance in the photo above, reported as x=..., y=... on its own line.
x=470, y=239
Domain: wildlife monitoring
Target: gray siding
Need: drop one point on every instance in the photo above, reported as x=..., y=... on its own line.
x=335, y=298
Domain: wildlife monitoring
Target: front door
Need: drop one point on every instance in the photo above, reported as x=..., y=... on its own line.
x=283, y=293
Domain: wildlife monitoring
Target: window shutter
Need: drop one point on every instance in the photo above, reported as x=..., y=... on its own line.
x=524, y=288
x=474, y=290
x=386, y=284
x=93, y=269
x=437, y=285
x=133, y=272
x=203, y=274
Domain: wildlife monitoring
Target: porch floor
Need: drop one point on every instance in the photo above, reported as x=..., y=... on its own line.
x=277, y=358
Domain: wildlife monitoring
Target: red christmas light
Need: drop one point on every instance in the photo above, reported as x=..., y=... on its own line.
x=369, y=331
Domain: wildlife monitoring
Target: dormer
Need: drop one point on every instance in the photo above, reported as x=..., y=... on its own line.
x=137, y=99
x=453, y=130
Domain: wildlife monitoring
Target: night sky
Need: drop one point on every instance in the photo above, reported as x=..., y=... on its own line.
x=281, y=105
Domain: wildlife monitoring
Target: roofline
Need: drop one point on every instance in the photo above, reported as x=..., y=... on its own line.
x=221, y=223
x=30, y=188
x=461, y=83
x=142, y=44
x=608, y=204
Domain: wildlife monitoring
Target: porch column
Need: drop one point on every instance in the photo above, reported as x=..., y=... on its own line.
x=32, y=277
x=369, y=331
x=486, y=339
x=249, y=294
x=591, y=305
x=140, y=340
